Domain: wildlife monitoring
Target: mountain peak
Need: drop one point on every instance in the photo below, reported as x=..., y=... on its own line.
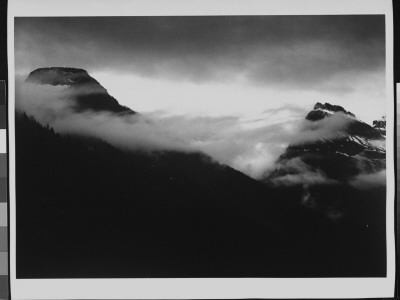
x=60, y=76
x=335, y=153
x=332, y=108
x=321, y=111
x=85, y=91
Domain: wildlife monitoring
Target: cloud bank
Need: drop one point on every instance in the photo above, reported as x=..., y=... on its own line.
x=251, y=146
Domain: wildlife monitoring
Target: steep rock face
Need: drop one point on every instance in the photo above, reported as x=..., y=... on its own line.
x=86, y=93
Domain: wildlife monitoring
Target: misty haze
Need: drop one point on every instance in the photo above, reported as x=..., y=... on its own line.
x=223, y=146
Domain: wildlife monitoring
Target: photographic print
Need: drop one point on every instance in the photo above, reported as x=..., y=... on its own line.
x=200, y=146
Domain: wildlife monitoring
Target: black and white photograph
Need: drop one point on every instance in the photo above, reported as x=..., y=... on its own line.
x=201, y=146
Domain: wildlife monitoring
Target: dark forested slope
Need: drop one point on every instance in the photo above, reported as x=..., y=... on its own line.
x=87, y=209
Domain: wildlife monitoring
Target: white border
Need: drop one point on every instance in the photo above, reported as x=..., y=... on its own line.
x=204, y=288
x=3, y=132
x=3, y=141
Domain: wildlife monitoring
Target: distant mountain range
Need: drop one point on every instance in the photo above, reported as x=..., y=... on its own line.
x=88, y=209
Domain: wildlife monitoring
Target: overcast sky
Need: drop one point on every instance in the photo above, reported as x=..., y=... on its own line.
x=218, y=64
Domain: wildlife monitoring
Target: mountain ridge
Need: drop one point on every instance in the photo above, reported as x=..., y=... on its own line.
x=354, y=144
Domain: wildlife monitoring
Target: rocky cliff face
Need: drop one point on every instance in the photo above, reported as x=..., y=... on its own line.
x=86, y=93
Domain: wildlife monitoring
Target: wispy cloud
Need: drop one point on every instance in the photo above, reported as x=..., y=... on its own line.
x=298, y=172
x=369, y=180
